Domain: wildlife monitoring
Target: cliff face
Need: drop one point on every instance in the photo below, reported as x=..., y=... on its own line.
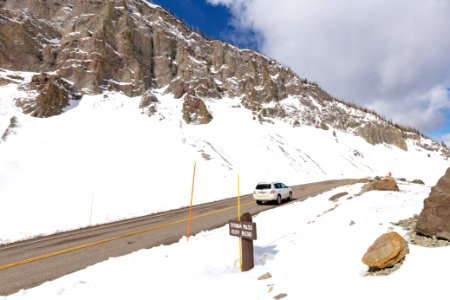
x=132, y=46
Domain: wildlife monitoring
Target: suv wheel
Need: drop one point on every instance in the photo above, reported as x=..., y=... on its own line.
x=290, y=196
x=279, y=199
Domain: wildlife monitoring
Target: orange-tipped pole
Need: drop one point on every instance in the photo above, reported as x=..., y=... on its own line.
x=190, y=206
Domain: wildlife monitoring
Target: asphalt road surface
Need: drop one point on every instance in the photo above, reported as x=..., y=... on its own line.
x=29, y=263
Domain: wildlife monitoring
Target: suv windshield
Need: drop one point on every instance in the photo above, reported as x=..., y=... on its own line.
x=263, y=187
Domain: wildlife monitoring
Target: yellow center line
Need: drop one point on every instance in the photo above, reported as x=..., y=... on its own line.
x=63, y=251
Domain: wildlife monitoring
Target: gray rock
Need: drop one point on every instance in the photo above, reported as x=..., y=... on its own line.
x=434, y=220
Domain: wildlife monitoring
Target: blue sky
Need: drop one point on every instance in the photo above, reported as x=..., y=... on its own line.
x=214, y=21
x=211, y=20
x=390, y=56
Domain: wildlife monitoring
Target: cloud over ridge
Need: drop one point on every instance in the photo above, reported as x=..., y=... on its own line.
x=392, y=56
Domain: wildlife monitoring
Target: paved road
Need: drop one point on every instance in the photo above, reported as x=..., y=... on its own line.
x=29, y=263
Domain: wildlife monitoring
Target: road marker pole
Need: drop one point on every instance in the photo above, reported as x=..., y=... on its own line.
x=190, y=207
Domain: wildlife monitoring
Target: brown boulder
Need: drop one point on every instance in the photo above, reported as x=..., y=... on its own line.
x=434, y=220
x=383, y=184
x=195, y=110
x=387, y=250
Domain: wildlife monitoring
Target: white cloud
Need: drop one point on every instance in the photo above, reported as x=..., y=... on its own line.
x=393, y=56
x=426, y=111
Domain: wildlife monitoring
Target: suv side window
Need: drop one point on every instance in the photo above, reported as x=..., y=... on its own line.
x=277, y=185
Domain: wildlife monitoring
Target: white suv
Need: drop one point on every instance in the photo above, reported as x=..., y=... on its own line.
x=275, y=191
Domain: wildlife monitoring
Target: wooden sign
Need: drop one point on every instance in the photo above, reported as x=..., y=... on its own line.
x=242, y=229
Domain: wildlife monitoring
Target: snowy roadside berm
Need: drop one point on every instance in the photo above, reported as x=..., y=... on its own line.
x=387, y=250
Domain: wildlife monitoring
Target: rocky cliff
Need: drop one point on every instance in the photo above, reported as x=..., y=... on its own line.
x=133, y=46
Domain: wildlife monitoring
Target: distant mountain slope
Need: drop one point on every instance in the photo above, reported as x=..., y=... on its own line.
x=88, y=47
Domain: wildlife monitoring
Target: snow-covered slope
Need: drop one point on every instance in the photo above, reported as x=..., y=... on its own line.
x=313, y=253
x=105, y=159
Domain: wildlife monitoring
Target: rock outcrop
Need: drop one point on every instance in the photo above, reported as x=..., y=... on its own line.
x=54, y=93
x=132, y=46
x=434, y=220
x=387, y=250
x=379, y=134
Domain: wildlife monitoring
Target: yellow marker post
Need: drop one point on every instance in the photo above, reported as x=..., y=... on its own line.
x=239, y=219
x=190, y=206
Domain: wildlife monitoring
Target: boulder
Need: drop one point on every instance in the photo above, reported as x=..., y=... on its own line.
x=418, y=181
x=195, y=110
x=434, y=220
x=383, y=184
x=387, y=250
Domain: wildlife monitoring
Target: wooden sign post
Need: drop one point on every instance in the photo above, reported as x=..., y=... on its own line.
x=245, y=229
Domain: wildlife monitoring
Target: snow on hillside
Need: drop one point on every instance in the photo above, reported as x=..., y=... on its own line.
x=311, y=249
x=105, y=156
